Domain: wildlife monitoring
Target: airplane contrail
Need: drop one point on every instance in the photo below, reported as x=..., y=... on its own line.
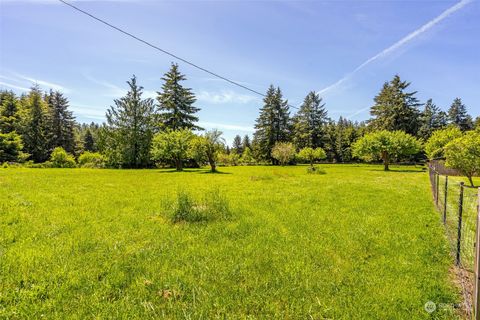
x=427, y=26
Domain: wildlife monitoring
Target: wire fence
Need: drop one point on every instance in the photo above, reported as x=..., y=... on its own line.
x=458, y=205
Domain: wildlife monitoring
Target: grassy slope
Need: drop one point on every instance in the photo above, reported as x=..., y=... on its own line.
x=356, y=243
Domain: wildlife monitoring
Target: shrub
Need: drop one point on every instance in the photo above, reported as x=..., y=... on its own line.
x=214, y=206
x=91, y=160
x=283, y=152
x=315, y=170
x=61, y=159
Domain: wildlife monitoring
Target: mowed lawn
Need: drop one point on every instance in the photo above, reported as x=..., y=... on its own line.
x=354, y=243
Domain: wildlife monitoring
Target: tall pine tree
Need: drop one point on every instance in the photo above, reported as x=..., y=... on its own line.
x=458, y=116
x=62, y=122
x=9, y=116
x=175, y=103
x=272, y=125
x=431, y=119
x=246, y=142
x=308, y=123
x=35, y=129
x=395, y=109
x=130, y=128
x=237, y=144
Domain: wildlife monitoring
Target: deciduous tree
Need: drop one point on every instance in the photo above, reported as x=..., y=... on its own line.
x=385, y=145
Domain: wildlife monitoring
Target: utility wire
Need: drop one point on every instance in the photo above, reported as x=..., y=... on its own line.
x=165, y=51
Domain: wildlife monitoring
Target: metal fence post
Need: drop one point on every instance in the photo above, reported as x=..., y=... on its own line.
x=445, y=201
x=476, y=288
x=437, y=186
x=459, y=234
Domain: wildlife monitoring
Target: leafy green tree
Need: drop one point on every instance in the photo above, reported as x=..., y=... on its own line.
x=172, y=146
x=431, y=119
x=272, y=125
x=175, y=103
x=9, y=116
x=283, y=152
x=11, y=147
x=205, y=148
x=463, y=154
x=395, y=109
x=310, y=155
x=35, y=126
x=130, y=128
x=62, y=159
x=61, y=122
x=309, y=121
x=477, y=123
x=237, y=144
x=458, y=116
x=92, y=160
x=435, y=145
x=385, y=145
x=247, y=157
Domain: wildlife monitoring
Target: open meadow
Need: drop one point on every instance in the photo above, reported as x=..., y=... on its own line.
x=353, y=243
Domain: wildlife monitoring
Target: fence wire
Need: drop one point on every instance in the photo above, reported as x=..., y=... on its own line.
x=458, y=205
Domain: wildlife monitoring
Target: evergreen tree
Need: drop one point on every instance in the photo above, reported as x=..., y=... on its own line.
x=308, y=123
x=272, y=125
x=457, y=115
x=10, y=147
x=35, y=130
x=175, y=103
x=9, y=116
x=395, y=109
x=246, y=143
x=88, y=141
x=130, y=128
x=237, y=144
x=346, y=135
x=431, y=119
x=62, y=122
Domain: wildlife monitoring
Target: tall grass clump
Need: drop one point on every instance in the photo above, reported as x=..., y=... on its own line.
x=213, y=206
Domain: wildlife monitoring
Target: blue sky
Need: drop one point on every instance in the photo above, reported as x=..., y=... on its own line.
x=344, y=49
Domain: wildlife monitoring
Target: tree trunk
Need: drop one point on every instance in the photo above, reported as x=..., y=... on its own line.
x=470, y=180
x=178, y=164
x=213, y=167
x=385, y=161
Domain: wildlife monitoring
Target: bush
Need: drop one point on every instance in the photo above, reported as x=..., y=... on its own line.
x=91, y=160
x=61, y=159
x=214, y=206
x=315, y=170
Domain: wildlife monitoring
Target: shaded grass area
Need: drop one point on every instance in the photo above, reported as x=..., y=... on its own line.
x=354, y=243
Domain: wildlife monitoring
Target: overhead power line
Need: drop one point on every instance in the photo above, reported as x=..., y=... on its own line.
x=165, y=51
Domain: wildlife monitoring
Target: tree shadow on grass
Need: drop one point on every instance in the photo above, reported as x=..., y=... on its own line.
x=192, y=171
x=413, y=170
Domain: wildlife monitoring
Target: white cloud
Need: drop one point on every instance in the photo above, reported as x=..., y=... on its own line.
x=411, y=36
x=225, y=97
x=12, y=86
x=225, y=126
x=25, y=81
x=48, y=84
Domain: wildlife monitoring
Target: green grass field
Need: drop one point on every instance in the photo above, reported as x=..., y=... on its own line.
x=354, y=243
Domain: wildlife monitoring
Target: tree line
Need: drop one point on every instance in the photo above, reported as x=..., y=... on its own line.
x=143, y=132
